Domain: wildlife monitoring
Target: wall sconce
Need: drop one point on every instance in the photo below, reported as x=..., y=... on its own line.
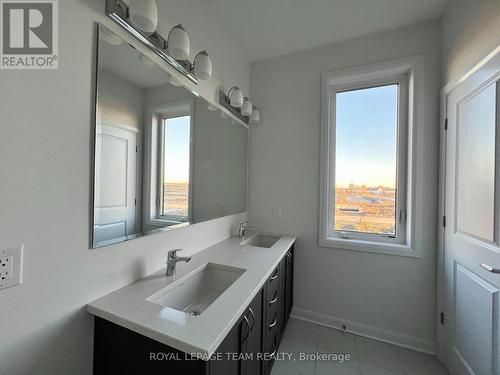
x=255, y=116
x=141, y=18
x=246, y=108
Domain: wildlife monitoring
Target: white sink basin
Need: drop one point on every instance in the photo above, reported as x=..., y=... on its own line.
x=197, y=290
x=261, y=240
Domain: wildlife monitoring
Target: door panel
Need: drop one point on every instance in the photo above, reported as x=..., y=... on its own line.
x=476, y=164
x=471, y=332
x=476, y=307
x=115, y=184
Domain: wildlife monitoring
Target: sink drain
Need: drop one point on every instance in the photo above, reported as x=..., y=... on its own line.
x=194, y=313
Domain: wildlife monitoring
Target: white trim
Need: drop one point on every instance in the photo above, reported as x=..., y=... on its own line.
x=365, y=330
x=413, y=67
x=175, y=109
x=152, y=148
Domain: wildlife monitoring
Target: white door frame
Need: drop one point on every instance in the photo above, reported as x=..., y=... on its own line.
x=446, y=90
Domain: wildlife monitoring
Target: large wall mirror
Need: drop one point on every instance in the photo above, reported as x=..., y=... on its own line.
x=164, y=157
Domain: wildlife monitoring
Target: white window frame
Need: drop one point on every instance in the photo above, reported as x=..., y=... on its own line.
x=404, y=72
x=154, y=153
x=180, y=111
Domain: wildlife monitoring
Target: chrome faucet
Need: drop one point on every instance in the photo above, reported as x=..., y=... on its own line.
x=243, y=229
x=173, y=259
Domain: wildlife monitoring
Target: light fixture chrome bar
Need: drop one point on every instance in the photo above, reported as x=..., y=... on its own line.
x=117, y=11
x=224, y=101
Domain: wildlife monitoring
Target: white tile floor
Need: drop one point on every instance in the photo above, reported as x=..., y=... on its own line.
x=369, y=357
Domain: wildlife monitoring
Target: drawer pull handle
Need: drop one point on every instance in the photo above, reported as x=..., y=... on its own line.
x=248, y=329
x=275, y=298
x=273, y=277
x=253, y=318
x=274, y=321
x=274, y=351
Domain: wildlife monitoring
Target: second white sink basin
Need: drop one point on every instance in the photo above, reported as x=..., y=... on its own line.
x=196, y=291
x=261, y=240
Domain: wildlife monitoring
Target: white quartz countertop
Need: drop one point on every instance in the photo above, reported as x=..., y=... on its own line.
x=201, y=334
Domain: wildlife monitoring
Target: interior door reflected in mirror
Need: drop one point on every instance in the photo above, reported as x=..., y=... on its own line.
x=162, y=159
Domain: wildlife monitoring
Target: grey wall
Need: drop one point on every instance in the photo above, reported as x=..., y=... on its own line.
x=120, y=101
x=220, y=164
x=471, y=30
x=389, y=297
x=45, y=142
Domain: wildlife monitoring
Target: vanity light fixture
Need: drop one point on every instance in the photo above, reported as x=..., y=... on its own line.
x=140, y=19
x=255, y=116
x=239, y=106
x=144, y=14
x=178, y=43
x=202, y=65
x=235, y=97
x=246, y=108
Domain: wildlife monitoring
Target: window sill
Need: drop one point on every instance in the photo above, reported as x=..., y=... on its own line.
x=163, y=222
x=370, y=247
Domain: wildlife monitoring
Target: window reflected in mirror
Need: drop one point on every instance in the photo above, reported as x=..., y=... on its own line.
x=175, y=168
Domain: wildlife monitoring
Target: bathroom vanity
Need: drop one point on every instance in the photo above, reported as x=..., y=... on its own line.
x=165, y=158
x=224, y=312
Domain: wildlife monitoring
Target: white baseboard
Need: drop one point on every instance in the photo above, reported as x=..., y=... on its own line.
x=365, y=330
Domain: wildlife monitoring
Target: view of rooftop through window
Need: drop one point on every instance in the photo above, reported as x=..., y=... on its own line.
x=176, y=166
x=365, y=160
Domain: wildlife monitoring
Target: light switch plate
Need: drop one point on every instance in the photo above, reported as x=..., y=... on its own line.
x=11, y=265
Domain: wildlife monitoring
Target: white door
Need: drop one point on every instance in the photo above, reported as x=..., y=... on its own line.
x=115, y=184
x=471, y=240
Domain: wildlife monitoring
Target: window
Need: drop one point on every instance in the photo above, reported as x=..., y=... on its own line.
x=174, y=174
x=366, y=177
x=365, y=161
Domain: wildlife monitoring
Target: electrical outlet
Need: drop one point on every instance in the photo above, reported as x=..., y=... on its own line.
x=11, y=261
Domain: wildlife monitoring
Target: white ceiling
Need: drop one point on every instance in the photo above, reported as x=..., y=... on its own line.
x=270, y=28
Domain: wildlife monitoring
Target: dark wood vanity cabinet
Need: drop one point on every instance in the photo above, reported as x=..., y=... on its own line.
x=288, y=293
x=257, y=333
x=278, y=302
x=243, y=341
